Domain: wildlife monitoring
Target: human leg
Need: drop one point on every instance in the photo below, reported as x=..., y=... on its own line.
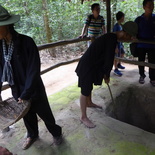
x=45, y=113
x=31, y=123
x=84, y=119
x=151, y=59
x=86, y=85
x=141, y=58
x=116, y=70
x=122, y=52
x=42, y=108
x=91, y=104
x=88, y=43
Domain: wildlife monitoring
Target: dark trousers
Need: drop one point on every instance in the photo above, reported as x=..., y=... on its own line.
x=41, y=107
x=150, y=52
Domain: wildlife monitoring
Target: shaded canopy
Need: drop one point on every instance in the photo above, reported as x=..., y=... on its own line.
x=87, y=0
x=90, y=0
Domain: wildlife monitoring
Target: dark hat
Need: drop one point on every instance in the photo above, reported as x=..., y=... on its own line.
x=6, y=18
x=131, y=28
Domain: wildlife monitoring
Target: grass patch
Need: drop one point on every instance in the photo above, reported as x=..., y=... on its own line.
x=64, y=97
x=67, y=96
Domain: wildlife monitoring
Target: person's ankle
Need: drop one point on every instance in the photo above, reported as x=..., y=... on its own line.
x=84, y=118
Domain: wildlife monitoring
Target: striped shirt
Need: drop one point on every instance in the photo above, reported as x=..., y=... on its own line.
x=94, y=25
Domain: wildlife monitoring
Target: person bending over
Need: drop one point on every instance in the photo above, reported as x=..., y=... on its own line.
x=96, y=64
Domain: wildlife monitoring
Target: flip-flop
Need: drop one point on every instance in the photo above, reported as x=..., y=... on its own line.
x=28, y=142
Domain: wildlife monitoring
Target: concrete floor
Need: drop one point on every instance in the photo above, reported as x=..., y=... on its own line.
x=110, y=137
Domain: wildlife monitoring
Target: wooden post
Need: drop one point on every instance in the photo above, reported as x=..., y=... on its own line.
x=108, y=15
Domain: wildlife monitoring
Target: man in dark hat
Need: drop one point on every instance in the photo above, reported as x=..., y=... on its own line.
x=20, y=67
x=96, y=64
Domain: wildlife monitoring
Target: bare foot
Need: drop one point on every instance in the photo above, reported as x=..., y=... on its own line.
x=92, y=105
x=87, y=123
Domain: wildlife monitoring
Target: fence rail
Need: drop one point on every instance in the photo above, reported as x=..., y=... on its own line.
x=65, y=42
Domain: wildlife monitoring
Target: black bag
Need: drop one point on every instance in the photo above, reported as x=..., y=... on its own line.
x=133, y=49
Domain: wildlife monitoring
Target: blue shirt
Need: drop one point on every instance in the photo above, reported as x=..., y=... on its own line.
x=118, y=27
x=146, y=30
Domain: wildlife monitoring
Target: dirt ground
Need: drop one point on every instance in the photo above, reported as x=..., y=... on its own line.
x=55, y=80
x=63, y=76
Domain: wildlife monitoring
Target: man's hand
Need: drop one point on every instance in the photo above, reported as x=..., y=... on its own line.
x=82, y=36
x=106, y=80
x=20, y=100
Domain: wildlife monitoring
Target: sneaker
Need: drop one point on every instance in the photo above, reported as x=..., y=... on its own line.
x=117, y=72
x=141, y=80
x=120, y=66
x=153, y=83
x=57, y=140
x=7, y=129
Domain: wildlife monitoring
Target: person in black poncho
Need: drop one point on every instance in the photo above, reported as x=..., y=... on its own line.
x=20, y=68
x=96, y=65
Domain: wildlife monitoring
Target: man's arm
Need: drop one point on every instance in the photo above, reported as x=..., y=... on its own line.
x=103, y=29
x=84, y=30
x=109, y=55
x=32, y=70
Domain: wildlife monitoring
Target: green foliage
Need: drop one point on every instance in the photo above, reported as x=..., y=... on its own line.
x=131, y=8
x=65, y=18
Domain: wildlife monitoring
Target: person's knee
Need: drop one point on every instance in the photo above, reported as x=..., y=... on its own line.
x=86, y=92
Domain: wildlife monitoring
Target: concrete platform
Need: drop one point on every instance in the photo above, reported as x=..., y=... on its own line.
x=110, y=137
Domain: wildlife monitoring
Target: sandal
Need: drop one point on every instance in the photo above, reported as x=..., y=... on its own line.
x=141, y=80
x=28, y=142
x=153, y=83
x=57, y=140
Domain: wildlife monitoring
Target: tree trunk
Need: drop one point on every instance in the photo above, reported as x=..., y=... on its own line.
x=46, y=22
x=48, y=30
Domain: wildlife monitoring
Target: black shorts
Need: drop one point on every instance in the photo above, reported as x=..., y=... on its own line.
x=86, y=85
